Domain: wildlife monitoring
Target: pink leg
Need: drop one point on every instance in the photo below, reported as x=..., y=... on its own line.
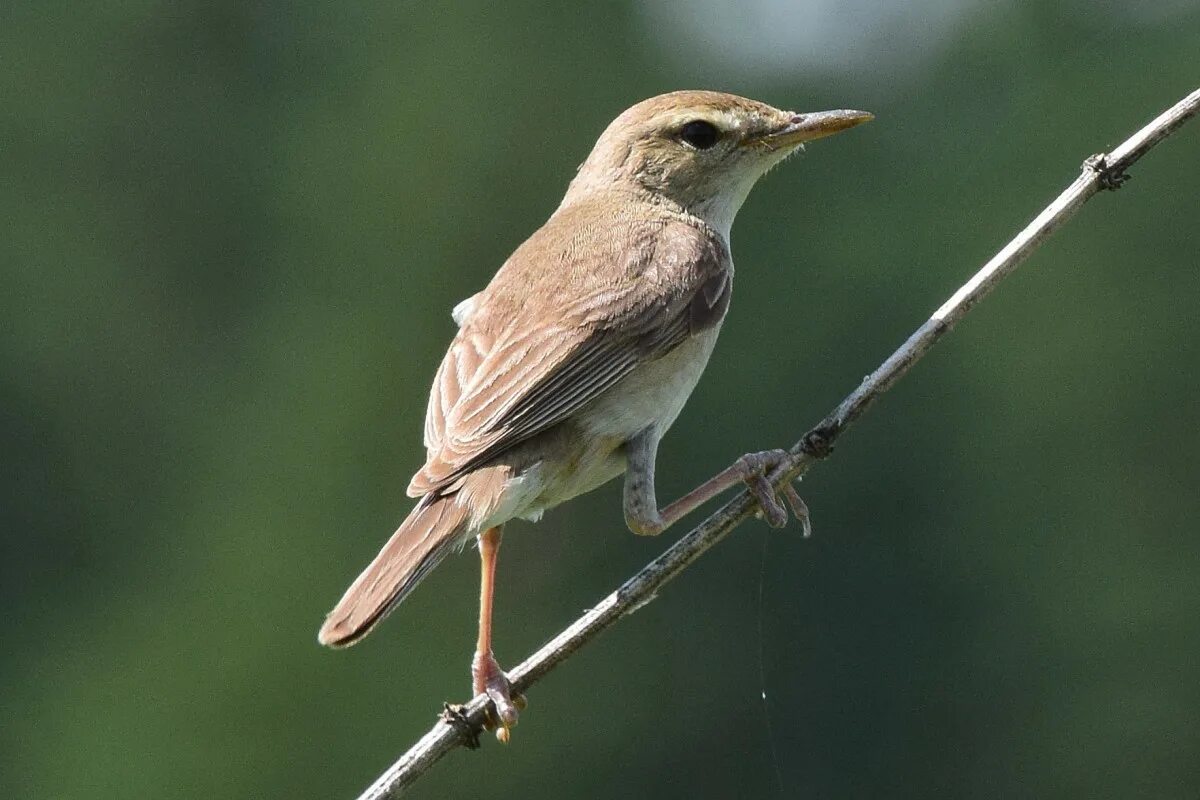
x=641, y=507
x=487, y=677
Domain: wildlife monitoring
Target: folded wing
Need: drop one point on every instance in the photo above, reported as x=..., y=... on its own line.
x=520, y=366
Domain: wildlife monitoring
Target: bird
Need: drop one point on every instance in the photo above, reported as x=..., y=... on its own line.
x=570, y=365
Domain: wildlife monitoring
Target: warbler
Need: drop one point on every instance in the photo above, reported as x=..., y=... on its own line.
x=568, y=368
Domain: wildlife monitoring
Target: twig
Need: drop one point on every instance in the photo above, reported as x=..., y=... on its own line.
x=460, y=725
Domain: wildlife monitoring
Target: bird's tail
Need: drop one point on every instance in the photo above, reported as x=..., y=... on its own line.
x=434, y=528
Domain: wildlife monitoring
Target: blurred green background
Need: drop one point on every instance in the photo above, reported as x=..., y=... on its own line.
x=233, y=233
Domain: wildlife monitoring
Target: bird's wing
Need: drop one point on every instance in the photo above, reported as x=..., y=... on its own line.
x=514, y=371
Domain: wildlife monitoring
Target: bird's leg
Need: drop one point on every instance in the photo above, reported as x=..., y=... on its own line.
x=486, y=674
x=641, y=507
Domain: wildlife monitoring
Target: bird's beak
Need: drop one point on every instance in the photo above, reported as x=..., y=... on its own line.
x=817, y=125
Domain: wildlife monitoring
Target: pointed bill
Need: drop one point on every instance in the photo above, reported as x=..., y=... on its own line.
x=817, y=125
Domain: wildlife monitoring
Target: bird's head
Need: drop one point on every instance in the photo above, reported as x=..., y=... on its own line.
x=701, y=150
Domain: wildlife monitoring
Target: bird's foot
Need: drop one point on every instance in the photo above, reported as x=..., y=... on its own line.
x=754, y=468
x=489, y=679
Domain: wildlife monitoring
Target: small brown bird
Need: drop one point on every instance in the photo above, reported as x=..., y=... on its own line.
x=570, y=366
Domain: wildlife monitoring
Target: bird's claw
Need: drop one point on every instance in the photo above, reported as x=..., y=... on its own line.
x=755, y=467
x=773, y=512
x=505, y=709
x=799, y=509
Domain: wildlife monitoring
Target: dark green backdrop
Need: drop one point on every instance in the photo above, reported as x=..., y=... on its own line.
x=232, y=234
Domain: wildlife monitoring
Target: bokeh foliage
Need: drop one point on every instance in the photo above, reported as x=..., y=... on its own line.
x=233, y=234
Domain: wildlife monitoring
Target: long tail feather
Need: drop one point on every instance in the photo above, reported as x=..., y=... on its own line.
x=432, y=530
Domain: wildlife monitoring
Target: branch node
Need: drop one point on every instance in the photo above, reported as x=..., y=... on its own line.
x=818, y=442
x=1110, y=178
x=455, y=717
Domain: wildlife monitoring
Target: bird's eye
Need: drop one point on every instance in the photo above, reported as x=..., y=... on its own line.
x=700, y=134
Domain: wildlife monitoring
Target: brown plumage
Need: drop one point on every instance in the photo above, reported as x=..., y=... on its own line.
x=517, y=368
x=418, y=545
x=515, y=371
x=579, y=354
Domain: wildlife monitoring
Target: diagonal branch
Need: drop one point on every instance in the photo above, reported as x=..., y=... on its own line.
x=462, y=725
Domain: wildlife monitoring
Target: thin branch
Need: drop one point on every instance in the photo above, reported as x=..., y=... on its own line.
x=461, y=726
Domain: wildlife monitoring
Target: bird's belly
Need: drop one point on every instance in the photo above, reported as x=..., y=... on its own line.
x=651, y=395
x=591, y=446
x=588, y=467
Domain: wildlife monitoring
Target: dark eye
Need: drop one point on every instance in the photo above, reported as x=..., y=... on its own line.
x=700, y=134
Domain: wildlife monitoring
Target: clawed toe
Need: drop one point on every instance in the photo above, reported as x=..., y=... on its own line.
x=756, y=466
x=489, y=679
x=500, y=693
x=799, y=508
x=773, y=512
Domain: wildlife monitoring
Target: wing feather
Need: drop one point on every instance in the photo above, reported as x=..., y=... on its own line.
x=510, y=375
